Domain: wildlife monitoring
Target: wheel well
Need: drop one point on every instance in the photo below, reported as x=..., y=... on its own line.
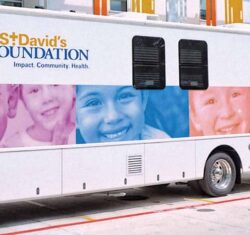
x=235, y=157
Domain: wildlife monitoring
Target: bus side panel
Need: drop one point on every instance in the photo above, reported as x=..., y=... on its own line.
x=30, y=174
x=205, y=147
x=166, y=162
x=102, y=168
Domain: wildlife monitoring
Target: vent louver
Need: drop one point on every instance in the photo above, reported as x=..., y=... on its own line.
x=134, y=164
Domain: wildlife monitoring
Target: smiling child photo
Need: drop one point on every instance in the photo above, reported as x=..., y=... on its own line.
x=51, y=109
x=220, y=111
x=112, y=113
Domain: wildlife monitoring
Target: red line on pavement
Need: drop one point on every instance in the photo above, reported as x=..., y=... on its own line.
x=123, y=216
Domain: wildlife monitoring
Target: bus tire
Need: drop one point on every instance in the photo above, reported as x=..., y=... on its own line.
x=219, y=175
x=196, y=187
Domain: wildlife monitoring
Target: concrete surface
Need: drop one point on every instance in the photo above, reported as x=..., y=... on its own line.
x=175, y=209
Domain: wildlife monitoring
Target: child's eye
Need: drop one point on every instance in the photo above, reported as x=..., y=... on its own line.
x=210, y=101
x=33, y=91
x=126, y=97
x=235, y=94
x=92, y=103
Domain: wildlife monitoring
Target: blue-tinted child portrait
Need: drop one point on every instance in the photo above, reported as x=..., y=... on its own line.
x=112, y=113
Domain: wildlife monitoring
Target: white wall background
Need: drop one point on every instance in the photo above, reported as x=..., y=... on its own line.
x=246, y=11
x=81, y=6
x=32, y=4
x=220, y=12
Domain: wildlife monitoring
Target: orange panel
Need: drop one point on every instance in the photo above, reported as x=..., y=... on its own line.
x=148, y=6
x=238, y=5
x=226, y=11
x=133, y=5
x=230, y=11
x=214, y=12
x=233, y=11
x=96, y=4
x=104, y=7
x=208, y=12
x=100, y=7
x=136, y=5
x=211, y=12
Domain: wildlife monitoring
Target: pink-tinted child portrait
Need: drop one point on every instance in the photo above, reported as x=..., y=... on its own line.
x=8, y=105
x=52, y=116
x=220, y=111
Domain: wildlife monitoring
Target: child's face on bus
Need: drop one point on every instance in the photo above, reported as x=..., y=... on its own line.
x=112, y=113
x=220, y=111
x=8, y=103
x=48, y=105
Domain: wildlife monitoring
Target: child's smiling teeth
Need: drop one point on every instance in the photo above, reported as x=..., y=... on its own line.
x=50, y=112
x=116, y=134
x=228, y=129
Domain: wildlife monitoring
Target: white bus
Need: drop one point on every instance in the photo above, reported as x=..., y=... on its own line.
x=92, y=103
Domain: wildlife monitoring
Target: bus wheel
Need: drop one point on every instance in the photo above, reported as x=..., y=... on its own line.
x=219, y=176
x=196, y=187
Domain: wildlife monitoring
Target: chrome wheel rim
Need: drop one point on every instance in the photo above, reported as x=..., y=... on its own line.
x=221, y=174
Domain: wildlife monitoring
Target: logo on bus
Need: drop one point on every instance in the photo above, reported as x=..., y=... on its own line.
x=20, y=45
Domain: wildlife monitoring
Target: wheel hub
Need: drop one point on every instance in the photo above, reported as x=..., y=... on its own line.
x=221, y=174
x=218, y=173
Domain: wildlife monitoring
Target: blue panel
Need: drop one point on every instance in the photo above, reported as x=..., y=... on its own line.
x=168, y=110
x=116, y=6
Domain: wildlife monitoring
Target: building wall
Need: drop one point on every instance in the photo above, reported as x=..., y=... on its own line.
x=81, y=6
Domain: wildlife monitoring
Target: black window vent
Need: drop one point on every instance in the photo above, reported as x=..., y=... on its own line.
x=193, y=64
x=146, y=55
x=190, y=56
x=148, y=62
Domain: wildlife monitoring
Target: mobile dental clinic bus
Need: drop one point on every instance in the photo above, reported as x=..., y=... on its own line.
x=92, y=104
